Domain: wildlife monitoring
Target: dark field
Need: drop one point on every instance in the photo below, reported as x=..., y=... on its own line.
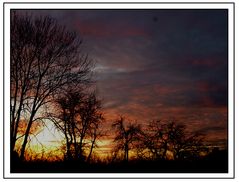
x=216, y=162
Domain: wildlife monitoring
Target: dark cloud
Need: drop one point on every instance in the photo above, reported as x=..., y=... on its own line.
x=211, y=129
x=158, y=63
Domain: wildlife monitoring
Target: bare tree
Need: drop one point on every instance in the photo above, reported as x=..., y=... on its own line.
x=79, y=119
x=44, y=58
x=183, y=144
x=151, y=142
x=158, y=139
x=91, y=113
x=65, y=121
x=125, y=136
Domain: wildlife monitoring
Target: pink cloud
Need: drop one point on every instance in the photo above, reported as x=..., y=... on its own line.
x=205, y=62
x=99, y=29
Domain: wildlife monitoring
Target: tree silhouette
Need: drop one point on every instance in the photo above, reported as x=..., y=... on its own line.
x=79, y=118
x=44, y=58
x=184, y=145
x=151, y=142
x=158, y=139
x=125, y=136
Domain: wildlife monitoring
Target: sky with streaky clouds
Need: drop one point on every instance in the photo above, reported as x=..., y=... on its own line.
x=158, y=64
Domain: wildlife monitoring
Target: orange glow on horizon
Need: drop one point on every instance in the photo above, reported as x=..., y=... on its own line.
x=47, y=140
x=48, y=145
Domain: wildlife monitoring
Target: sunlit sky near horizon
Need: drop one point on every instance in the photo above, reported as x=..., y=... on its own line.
x=158, y=64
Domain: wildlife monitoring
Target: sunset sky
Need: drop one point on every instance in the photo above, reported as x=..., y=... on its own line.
x=170, y=65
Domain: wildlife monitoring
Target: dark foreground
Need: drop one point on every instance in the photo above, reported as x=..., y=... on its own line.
x=216, y=163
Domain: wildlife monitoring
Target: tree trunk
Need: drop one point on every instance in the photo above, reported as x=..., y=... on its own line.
x=91, y=149
x=165, y=150
x=33, y=112
x=26, y=135
x=16, y=123
x=126, y=153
